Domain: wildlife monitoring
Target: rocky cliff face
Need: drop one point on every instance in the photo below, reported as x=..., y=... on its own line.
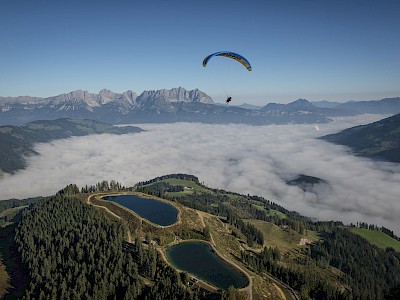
x=175, y=95
x=157, y=106
x=84, y=99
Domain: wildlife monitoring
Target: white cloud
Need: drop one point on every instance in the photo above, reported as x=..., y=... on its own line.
x=240, y=158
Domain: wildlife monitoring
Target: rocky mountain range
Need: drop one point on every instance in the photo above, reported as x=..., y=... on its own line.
x=163, y=106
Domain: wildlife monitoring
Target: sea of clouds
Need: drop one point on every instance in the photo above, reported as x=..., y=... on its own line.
x=256, y=160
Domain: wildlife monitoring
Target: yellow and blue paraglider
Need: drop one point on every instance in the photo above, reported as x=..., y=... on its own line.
x=228, y=54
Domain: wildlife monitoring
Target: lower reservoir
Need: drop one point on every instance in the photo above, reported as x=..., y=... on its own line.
x=155, y=211
x=199, y=259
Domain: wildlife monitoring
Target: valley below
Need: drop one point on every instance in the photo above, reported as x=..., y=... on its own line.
x=258, y=160
x=272, y=203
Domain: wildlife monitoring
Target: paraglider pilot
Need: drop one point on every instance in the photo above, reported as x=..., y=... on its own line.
x=229, y=99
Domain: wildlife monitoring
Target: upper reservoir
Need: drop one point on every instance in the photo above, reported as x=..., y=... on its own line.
x=155, y=211
x=200, y=260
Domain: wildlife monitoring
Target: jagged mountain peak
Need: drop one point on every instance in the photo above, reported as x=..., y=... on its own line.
x=179, y=94
x=164, y=105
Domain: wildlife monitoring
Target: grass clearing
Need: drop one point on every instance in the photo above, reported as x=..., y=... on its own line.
x=284, y=239
x=270, y=212
x=11, y=210
x=190, y=185
x=259, y=207
x=273, y=212
x=313, y=235
x=377, y=238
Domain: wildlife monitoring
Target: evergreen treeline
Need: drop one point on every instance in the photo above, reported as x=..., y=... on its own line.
x=369, y=271
x=235, y=211
x=75, y=252
x=12, y=203
x=375, y=227
x=103, y=186
x=251, y=232
x=304, y=280
x=215, y=203
x=177, y=176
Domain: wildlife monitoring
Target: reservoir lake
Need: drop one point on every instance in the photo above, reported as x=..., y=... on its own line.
x=199, y=259
x=155, y=211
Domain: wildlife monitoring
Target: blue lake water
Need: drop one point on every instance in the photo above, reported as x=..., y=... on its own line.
x=200, y=260
x=155, y=211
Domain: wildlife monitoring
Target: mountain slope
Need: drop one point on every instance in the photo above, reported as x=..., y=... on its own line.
x=380, y=140
x=161, y=106
x=308, y=107
x=106, y=106
x=17, y=142
x=384, y=106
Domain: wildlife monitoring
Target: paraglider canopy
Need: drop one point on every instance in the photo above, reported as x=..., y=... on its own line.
x=231, y=55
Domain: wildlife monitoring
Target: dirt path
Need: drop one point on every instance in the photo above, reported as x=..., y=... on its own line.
x=280, y=291
x=202, y=216
x=129, y=235
x=103, y=207
x=278, y=284
x=209, y=287
x=249, y=288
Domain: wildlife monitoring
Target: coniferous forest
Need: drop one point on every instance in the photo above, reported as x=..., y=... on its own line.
x=75, y=252
x=72, y=250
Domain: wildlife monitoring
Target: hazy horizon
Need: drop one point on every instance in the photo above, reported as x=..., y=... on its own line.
x=221, y=98
x=316, y=50
x=254, y=160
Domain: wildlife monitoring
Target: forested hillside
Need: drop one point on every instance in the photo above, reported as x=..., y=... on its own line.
x=379, y=140
x=366, y=271
x=18, y=141
x=68, y=249
x=75, y=252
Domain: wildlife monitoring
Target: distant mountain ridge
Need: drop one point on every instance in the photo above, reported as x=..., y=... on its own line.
x=158, y=106
x=176, y=105
x=379, y=140
x=16, y=142
x=383, y=106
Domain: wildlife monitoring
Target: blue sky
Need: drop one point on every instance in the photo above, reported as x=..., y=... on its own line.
x=334, y=50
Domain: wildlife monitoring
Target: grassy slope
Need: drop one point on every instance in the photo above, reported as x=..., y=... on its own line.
x=286, y=240
x=274, y=236
x=377, y=238
x=229, y=247
x=185, y=183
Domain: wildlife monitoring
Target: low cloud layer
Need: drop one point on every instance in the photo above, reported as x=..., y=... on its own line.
x=252, y=160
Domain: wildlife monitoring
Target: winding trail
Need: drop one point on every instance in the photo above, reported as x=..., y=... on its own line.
x=202, y=215
x=249, y=288
x=103, y=207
